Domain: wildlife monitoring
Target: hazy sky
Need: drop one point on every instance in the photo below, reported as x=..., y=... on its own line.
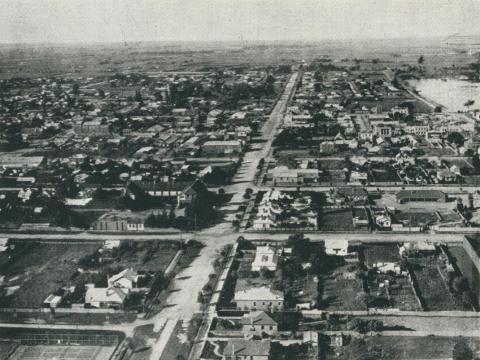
x=191, y=20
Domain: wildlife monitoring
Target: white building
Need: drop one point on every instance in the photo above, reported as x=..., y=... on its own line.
x=265, y=257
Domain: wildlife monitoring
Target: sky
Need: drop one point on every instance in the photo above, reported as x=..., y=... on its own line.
x=86, y=21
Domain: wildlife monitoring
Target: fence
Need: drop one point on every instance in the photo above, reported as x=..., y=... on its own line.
x=69, y=339
x=65, y=310
x=393, y=312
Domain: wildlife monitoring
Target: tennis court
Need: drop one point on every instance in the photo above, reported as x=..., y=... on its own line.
x=68, y=352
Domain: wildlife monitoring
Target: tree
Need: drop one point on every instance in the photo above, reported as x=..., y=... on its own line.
x=138, y=96
x=462, y=351
x=469, y=103
x=421, y=60
x=456, y=138
x=265, y=273
x=460, y=284
x=300, y=245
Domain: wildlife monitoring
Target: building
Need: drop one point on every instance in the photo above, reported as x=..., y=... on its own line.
x=92, y=128
x=327, y=147
x=184, y=192
x=105, y=297
x=382, y=130
x=241, y=349
x=284, y=175
x=119, y=221
x=259, y=298
x=471, y=271
x=417, y=129
x=404, y=196
x=18, y=161
x=216, y=147
x=126, y=279
x=265, y=257
x=336, y=247
x=258, y=323
x=279, y=210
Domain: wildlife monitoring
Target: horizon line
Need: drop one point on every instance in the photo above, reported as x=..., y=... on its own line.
x=237, y=41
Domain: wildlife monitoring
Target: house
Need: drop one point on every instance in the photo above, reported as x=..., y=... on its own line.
x=284, y=175
x=105, y=297
x=17, y=161
x=3, y=244
x=184, y=192
x=119, y=221
x=404, y=196
x=216, y=147
x=52, y=301
x=327, y=147
x=259, y=298
x=265, y=257
x=241, y=349
x=126, y=279
x=92, y=128
x=337, y=247
x=258, y=323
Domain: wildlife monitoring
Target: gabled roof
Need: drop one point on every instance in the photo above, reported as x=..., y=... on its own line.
x=259, y=294
x=129, y=274
x=257, y=318
x=106, y=295
x=241, y=347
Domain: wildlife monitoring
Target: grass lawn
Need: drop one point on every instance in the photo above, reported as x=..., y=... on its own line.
x=340, y=293
x=331, y=219
x=433, y=288
x=32, y=271
x=401, y=347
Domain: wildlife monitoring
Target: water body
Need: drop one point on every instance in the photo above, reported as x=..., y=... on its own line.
x=451, y=93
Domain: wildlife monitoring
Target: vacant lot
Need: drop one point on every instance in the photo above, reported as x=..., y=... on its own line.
x=432, y=284
x=342, y=290
x=332, y=219
x=401, y=347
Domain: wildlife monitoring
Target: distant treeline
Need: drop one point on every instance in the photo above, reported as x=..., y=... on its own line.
x=172, y=52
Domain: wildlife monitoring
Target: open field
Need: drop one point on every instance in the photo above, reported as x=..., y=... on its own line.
x=32, y=271
x=401, y=347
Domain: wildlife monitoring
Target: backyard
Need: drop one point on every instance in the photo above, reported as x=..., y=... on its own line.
x=342, y=289
x=335, y=219
x=433, y=284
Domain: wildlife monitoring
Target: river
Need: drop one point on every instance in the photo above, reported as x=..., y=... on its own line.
x=451, y=93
